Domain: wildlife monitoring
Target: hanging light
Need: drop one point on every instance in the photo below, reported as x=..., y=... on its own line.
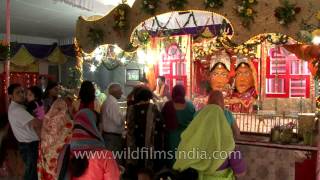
x=150, y=58
x=141, y=56
x=146, y=69
x=123, y=60
x=98, y=55
x=93, y=68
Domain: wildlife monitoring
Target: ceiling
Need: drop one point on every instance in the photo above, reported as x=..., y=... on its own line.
x=49, y=18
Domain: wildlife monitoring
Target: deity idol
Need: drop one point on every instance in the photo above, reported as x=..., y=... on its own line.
x=219, y=74
x=245, y=93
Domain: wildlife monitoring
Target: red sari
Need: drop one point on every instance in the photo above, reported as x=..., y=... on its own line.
x=56, y=132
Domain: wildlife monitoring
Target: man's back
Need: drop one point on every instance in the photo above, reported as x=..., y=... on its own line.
x=112, y=121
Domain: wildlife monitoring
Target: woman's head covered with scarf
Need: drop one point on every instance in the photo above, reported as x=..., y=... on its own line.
x=169, y=110
x=85, y=138
x=216, y=97
x=178, y=94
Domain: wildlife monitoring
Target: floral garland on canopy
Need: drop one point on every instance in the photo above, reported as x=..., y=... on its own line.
x=209, y=48
x=120, y=17
x=96, y=36
x=286, y=13
x=75, y=75
x=149, y=6
x=246, y=12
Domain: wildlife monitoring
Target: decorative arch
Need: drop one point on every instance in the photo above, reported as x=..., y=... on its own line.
x=264, y=21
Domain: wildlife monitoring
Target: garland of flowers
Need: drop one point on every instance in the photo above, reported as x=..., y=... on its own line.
x=141, y=37
x=75, y=75
x=149, y=6
x=120, y=17
x=286, y=13
x=208, y=49
x=177, y=4
x=246, y=12
x=213, y=3
x=96, y=36
x=4, y=50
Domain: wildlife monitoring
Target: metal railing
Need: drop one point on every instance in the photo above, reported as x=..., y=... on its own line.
x=262, y=124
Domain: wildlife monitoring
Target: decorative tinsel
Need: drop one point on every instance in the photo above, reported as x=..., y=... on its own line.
x=213, y=3
x=120, y=17
x=177, y=4
x=246, y=12
x=286, y=13
x=149, y=6
x=96, y=36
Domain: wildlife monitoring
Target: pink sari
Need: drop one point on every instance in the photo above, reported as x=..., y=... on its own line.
x=56, y=132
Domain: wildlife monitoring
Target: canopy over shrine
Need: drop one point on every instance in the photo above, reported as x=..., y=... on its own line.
x=264, y=21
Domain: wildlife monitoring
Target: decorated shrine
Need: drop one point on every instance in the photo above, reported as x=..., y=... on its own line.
x=262, y=54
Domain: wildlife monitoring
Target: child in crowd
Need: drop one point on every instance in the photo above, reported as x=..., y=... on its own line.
x=34, y=102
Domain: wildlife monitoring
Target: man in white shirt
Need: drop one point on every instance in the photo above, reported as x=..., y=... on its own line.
x=24, y=127
x=112, y=120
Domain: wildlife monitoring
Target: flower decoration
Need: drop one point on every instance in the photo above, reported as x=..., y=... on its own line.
x=96, y=36
x=213, y=3
x=277, y=38
x=286, y=13
x=205, y=49
x=246, y=12
x=177, y=4
x=120, y=17
x=4, y=50
x=149, y=6
x=140, y=37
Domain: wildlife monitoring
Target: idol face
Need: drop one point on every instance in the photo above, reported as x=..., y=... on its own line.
x=219, y=77
x=244, y=78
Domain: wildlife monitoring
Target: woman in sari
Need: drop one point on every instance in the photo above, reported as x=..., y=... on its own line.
x=55, y=134
x=216, y=97
x=209, y=133
x=145, y=129
x=87, y=139
x=177, y=114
